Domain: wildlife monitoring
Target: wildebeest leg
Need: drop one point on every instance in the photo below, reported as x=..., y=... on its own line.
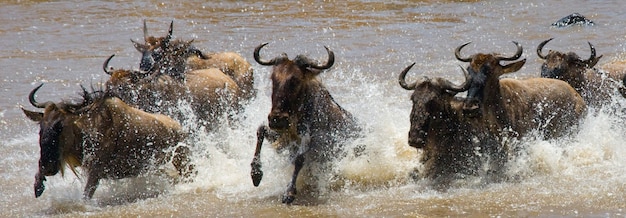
x=497, y=161
x=92, y=184
x=182, y=162
x=256, y=172
x=291, y=191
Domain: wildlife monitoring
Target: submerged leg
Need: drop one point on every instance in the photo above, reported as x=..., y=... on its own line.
x=290, y=193
x=256, y=172
x=182, y=162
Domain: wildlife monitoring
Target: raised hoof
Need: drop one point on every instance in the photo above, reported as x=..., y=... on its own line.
x=256, y=174
x=39, y=186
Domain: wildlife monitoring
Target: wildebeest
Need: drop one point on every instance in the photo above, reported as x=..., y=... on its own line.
x=595, y=86
x=177, y=57
x=573, y=19
x=210, y=92
x=106, y=137
x=454, y=146
x=549, y=105
x=304, y=119
x=233, y=65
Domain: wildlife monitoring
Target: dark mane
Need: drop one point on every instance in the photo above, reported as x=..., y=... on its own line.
x=85, y=99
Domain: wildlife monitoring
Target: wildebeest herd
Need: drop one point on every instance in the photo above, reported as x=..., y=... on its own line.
x=131, y=124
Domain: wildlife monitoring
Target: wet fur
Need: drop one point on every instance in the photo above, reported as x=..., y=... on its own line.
x=595, y=86
x=514, y=104
x=304, y=119
x=454, y=146
x=104, y=136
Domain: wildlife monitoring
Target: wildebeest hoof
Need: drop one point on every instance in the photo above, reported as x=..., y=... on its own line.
x=256, y=173
x=288, y=198
x=39, y=186
x=572, y=19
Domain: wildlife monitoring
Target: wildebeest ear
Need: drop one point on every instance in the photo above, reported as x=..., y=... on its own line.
x=513, y=67
x=32, y=115
x=140, y=47
x=592, y=62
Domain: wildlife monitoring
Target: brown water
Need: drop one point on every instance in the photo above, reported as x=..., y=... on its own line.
x=64, y=43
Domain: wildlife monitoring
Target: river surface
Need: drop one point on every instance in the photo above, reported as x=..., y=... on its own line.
x=64, y=43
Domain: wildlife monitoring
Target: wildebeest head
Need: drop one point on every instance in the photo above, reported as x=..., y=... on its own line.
x=431, y=98
x=125, y=84
x=565, y=66
x=573, y=19
x=56, y=134
x=484, y=72
x=290, y=80
x=163, y=54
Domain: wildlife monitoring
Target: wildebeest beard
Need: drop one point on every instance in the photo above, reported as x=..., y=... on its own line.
x=50, y=160
x=420, y=124
x=554, y=73
x=475, y=94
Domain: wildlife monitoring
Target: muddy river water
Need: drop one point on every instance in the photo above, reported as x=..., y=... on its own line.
x=64, y=43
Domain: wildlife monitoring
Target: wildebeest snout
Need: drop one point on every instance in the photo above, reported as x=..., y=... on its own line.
x=278, y=121
x=417, y=138
x=471, y=107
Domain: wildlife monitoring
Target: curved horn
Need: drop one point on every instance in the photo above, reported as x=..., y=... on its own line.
x=457, y=53
x=145, y=31
x=541, y=47
x=106, y=65
x=31, y=98
x=329, y=63
x=458, y=88
x=257, y=56
x=592, y=61
x=518, y=54
x=402, y=79
x=194, y=50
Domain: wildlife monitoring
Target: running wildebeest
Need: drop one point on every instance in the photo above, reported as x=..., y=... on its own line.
x=105, y=137
x=453, y=145
x=177, y=57
x=549, y=105
x=304, y=119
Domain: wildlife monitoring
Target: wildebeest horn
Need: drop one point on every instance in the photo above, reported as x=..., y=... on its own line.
x=31, y=98
x=106, y=65
x=145, y=31
x=457, y=53
x=257, y=56
x=402, y=79
x=329, y=63
x=541, y=47
x=169, y=34
x=518, y=54
x=193, y=50
x=458, y=88
x=592, y=61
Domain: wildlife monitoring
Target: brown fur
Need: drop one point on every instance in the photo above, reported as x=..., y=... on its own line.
x=106, y=137
x=301, y=108
x=454, y=146
x=177, y=58
x=595, y=86
x=616, y=71
x=549, y=105
x=233, y=65
x=209, y=91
